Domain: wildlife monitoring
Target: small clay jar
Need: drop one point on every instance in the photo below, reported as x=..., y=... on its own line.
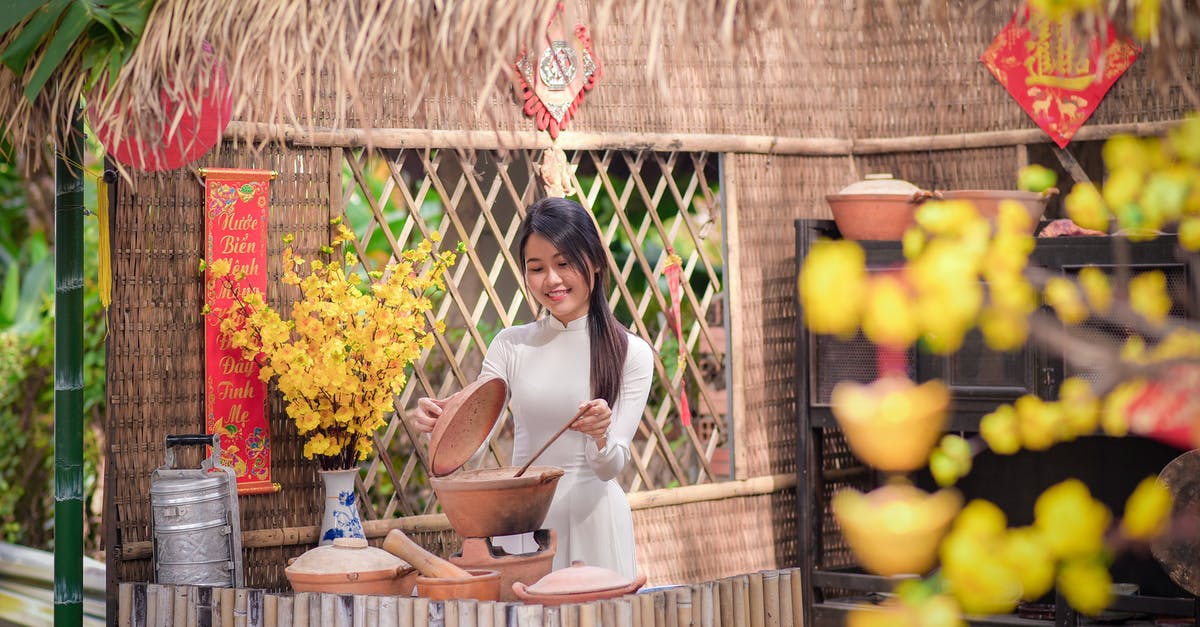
x=351, y=566
x=578, y=583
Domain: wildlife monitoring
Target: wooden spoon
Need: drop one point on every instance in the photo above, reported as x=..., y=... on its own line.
x=549, y=442
x=399, y=544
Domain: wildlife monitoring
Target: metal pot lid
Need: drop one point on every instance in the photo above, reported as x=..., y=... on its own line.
x=579, y=578
x=1177, y=552
x=880, y=184
x=345, y=555
x=465, y=423
x=188, y=484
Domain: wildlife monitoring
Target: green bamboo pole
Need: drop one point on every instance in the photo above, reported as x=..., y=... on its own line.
x=68, y=377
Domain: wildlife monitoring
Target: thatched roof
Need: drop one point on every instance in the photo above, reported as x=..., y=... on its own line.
x=323, y=64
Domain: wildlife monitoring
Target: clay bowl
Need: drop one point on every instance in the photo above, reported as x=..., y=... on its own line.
x=987, y=201
x=483, y=585
x=874, y=216
x=350, y=566
x=492, y=502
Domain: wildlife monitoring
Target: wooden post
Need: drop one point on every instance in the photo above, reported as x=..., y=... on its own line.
x=228, y=607
x=727, y=603
x=798, y=593
x=166, y=606
x=741, y=592
x=754, y=591
x=733, y=312
x=124, y=604
x=183, y=617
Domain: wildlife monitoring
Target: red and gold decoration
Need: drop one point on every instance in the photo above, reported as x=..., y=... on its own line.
x=555, y=79
x=1168, y=408
x=235, y=230
x=674, y=274
x=1057, y=70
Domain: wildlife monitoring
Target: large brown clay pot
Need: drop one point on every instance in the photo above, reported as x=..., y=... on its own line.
x=492, y=502
x=877, y=208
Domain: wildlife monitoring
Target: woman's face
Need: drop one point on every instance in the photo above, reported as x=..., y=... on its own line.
x=552, y=280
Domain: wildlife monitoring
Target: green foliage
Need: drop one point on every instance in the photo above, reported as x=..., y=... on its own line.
x=27, y=369
x=103, y=32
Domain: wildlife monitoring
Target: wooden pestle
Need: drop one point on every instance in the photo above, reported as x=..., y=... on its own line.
x=399, y=544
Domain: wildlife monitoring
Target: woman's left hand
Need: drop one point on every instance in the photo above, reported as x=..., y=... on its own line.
x=595, y=421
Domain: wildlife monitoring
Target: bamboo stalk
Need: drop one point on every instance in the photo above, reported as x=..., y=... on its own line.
x=623, y=608
x=726, y=590
x=166, y=606
x=421, y=612
x=183, y=617
x=712, y=491
x=285, y=611
x=660, y=609
x=124, y=604
x=270, y=611
x=671, y=616
x=300, y=609
x=404, y=612
x=683, y=606
x=785, y=599
x=151, y=605
x=387, y=612
x=735, y=292
x=755, y=596
x=568, y=614
x=359, y=617
x=646, y=609
x=770, y=596
x=667, y=142
x=587, y=615
x=741, y=611
x=708, y=614
x=314, y=610
x=239, y=607
x=798, y=593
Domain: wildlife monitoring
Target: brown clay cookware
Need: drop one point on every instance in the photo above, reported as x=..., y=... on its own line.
x=350, y=566
x=488, y=501
x=578, y=583
x=439, y=578
x=877, y=208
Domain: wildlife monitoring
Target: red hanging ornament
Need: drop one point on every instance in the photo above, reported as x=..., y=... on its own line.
x=553, y=83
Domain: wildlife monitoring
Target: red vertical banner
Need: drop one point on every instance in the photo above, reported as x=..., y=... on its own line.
x=235, y=229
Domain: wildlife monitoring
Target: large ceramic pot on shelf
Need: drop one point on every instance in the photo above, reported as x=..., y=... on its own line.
x=879, y=207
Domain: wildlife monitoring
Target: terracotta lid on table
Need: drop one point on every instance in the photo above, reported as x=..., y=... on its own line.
x=465, y=423
x=579, y=578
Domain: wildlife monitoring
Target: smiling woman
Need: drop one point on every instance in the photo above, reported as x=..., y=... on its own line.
x=577, y=359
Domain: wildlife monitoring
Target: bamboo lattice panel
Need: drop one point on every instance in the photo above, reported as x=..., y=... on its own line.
x=642, y=202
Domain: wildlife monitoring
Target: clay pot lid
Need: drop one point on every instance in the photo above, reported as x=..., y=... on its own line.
x=465, y=423
x=880, y=184
x=579, y=578
x=345, y=555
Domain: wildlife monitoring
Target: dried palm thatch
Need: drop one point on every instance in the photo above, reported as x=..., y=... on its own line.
x=314, y=63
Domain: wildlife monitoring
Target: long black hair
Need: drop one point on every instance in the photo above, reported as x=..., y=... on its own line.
x=569, y=228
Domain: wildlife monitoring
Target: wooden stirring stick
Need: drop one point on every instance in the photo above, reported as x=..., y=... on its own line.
x=549, y=442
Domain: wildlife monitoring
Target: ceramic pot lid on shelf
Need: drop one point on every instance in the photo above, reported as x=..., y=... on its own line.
x=465, y=423
x=345, y=555
x=579, y=578
x=880, y=184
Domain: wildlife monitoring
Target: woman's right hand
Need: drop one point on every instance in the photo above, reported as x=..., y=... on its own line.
x=425, y=416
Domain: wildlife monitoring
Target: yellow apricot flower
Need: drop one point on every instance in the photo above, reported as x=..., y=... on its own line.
x=1012, y=217
x=1096, y=289
x=833, y=287
x=976, y=574
x=219, y=268
x=1085, y=206
x=1081, y=407
x=1148, y=296
x=1062, y=294
x=1026, y=553
x=1071, y=522
x=1038, y=422
x=1086, y=585
x=889, y=317
x=946, y=217
x=1189, y=232
x=1001, y=431
x=1148, y=510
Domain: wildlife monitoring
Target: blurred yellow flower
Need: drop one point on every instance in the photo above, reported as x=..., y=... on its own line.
x=1096, y=289
x=1026, y=553
x=1003, y=330
x=1070, y=521
x=1148, y=510
x=1086, y=585
x=1001, y=431
x=1085, y=206
x=833, y=287
x=889, y=317
x=1081, y=407
x=1189, y=232
x=1012, y=217
x=1148, y=296
x=1062, y=294
x=1038, y=422
x=1114, y=412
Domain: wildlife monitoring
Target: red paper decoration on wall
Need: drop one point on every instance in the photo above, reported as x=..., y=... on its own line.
x=554, y=81
x=1056, y=70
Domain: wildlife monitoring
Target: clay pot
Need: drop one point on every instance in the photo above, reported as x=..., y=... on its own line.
x=483, y=585
x=578, y=583
x=492, y=502
x=987, y=201
x=350, y=566
x=527, y=568
x=877, y=208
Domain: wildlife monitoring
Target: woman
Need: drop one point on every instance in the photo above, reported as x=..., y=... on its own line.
x=576, y=358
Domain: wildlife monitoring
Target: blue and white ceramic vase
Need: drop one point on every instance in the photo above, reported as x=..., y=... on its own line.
x=341, y=510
